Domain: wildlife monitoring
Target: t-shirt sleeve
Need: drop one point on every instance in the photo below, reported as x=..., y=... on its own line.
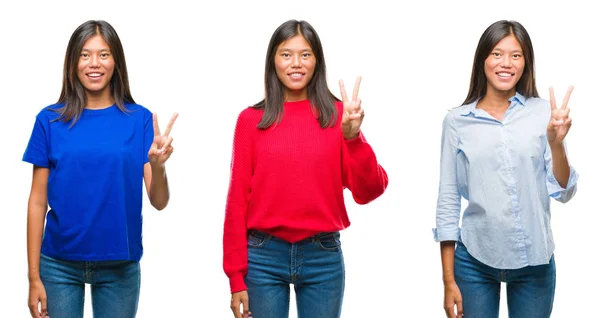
x=37, y=151
x=148, y=134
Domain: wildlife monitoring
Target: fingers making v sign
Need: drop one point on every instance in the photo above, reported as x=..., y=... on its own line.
x=560, y=122
x=353, y=113
x=161, y=148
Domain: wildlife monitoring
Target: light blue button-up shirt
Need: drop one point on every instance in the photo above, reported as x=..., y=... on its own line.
x=504, y=170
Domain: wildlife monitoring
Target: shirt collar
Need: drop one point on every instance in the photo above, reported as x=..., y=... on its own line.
x=469, y=108
x=518, y=99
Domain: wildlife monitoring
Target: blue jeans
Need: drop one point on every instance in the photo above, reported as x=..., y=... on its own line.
x=529, y=290
x=315, y=266
x=115, y=287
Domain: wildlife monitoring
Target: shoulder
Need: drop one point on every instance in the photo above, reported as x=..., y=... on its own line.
x=248, y=118
x=457, y=116
x=49, y=113
x=137, y=108
x=339, y=105
x=139, y=112
x=456, y=112
x=251, y=111
x=538, y=103
x=538, y=108
x=250, y=114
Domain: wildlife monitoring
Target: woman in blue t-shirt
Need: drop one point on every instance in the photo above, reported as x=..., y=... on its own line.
x=90, y=152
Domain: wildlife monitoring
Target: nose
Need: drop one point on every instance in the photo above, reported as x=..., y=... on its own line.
x=506, y=61
x=296, y=61
x=94, y=60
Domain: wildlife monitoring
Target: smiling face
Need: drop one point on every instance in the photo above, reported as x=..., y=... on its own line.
x=295, y=66
x=504, y=66
x=95, y=67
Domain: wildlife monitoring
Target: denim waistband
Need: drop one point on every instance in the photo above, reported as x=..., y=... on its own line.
x=265, y=235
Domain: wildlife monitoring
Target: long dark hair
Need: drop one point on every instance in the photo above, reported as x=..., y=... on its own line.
x=73, y=94
x=318, y=93
x=490, y=37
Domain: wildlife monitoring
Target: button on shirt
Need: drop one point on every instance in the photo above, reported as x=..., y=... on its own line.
x=504, y=170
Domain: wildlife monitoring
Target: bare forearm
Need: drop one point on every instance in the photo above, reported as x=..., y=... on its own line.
x=447, y=250
x=560, y=165
x=36, y=214
x=159, y=188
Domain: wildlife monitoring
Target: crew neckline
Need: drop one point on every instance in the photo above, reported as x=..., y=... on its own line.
x=88, y=111
x=297, y=103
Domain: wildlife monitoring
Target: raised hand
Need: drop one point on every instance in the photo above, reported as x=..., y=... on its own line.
x=560, y=122
x=353, y=114
x=161, y=148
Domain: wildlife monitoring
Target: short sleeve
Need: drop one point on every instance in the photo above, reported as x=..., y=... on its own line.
x=37, y=151
x=148, y=134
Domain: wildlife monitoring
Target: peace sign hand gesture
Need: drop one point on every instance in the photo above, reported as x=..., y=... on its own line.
x=353, y=114
x=559, y=124
x=161, y=148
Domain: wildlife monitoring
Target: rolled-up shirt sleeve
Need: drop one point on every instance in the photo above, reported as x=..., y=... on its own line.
x=555, y=191
x=448, y=204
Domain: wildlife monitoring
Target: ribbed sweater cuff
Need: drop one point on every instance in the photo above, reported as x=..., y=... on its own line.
x=236, y=283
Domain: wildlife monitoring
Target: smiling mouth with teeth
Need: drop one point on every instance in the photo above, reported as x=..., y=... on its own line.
x=504, y=74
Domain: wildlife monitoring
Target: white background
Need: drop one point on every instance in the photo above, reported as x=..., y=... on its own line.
x=206, y=62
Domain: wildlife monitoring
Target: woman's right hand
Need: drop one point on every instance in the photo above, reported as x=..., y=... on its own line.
x=37, y=294
x=237, y=299
x=452, y=297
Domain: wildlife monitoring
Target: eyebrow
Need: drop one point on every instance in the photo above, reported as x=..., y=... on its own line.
x=513, y=51
x=288, y=49
x=101, y=50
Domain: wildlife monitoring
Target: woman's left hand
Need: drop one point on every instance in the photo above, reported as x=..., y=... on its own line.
x=560, y=122
x=161, y=148
x=353, y=113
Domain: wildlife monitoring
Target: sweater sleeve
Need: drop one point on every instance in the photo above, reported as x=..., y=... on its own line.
x=365, y=178
x=235, y=249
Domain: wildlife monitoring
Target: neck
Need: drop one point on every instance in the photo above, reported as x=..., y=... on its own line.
x=294, y=96
x=99, y=100
x=495, y=99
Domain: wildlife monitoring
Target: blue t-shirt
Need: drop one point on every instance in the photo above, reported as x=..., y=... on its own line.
x=95, y=182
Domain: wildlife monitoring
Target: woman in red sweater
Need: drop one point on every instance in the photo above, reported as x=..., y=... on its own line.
x=293, y=154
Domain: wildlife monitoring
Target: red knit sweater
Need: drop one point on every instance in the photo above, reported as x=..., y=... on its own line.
x=287, y=180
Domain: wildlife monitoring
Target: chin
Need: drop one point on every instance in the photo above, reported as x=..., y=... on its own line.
x=96, y=87
x=296, y=87
x=505, y=87
x=95, y=90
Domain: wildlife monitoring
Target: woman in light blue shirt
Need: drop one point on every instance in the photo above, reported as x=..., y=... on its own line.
x=503, y=151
